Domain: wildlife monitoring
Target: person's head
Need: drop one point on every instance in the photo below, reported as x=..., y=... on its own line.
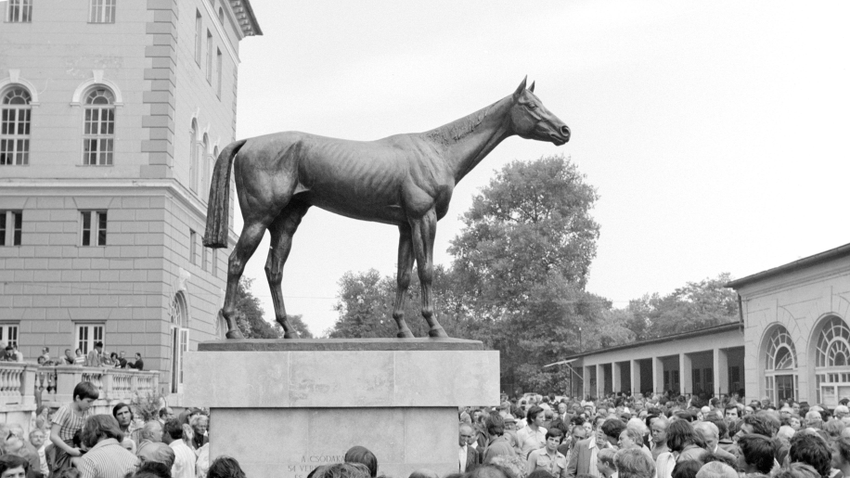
x=680, y=434
x=562, y=408
x=633, y=463
x=731, y=411
x=37, y=437
x=152, y=469
x=166, y=413
x=99, y=427
x=424, y=473
x=612, y=428
x=157, y=452
x=138, y=356
x=716, y=469
x=814, y=419
x=686, y=468
x=123, y=415
x=13, y=466
x=85, y=393
x=658, y=428
x=757, y=453
x=225, y=467
x=510, y=423
x=812, y=450
x=359, y=454
x=761, y=423
x=630, y=438
x=841, y=452
x=495, y=424
x=78, y=352
x=13, y=445
x=172, y=430
x=554, y=436
x=98, y=346
x=152, y=431
x=535, y=416
x=199, y=423
x=69, y=354
x=709, y=433
x=605, y=464
x=465, y=432
x=340, y=470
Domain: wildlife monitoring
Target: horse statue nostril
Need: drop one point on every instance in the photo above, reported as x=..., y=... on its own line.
x=565, y=130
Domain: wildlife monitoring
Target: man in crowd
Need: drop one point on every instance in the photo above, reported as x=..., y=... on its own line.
x=124, y=416
x=756, y=458
x=95, y=358
x=711, y=436
x=659, y=436
x=533, y=436
x=139, y=364
x=499, y=443
x=184, y=457
x=106, y=457
x=812, y=450
x=467, y=456
x=165, y=414
x=149, y=434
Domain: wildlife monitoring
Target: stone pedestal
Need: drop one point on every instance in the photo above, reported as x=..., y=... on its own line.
x=283, y=407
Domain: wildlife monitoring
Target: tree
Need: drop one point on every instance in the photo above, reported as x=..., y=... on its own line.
x=522, y=260
x=249, y=316
x=694, y=306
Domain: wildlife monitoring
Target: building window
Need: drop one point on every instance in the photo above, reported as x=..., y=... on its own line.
x=193, y=247
x=218, y=64
x=209, y=57
x=179, y=340
x=99, y=127
x=87, y=335
x=205, y=168
x=193, y=155
x=93, y=228
x=19, y=11
x=10, y=227
x=9, y=334
x=102, y=11
x=780, y=364
x=832, y=362
x=198, y=28
x=15, y=127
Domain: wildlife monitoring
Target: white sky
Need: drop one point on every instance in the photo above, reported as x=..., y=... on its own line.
x=715, y=132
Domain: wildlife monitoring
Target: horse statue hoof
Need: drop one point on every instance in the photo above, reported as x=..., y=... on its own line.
x=438, y=333
x=405, y=334
x=234, y=334
x=291, y=335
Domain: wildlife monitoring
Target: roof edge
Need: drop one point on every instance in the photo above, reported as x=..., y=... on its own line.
x=799, y=264
x=682, y=335
x=245, y=17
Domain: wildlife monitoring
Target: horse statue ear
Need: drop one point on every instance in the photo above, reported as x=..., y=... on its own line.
x=519, y=90
x=531, y=89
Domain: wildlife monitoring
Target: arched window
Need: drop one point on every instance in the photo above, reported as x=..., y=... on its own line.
x=780, y=366
x=98, y=127
x=179, y=339
x=15, y=127
x=832, y=361
x=193, y=155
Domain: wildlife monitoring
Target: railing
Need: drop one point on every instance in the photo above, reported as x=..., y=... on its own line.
x=21, y=383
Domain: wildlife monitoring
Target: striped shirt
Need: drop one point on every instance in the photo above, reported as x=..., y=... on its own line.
x=107, y=459
x=69, y=422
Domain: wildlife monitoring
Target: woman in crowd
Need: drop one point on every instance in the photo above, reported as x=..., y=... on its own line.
x=683, y=439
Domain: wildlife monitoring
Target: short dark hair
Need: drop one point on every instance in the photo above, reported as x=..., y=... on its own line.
x=340, y=470
x=495, y=424
x=153, y=469
x=686, y=468
x=163, y=412
x=763, y=423
x=360, y=454
x=758, y=451
x=98, y=426
x=554, y=432
x=86, y=390
x=680, y=434
x=532, y=413
x=225, y=467
x=118, y=408
x=612, y=427
x=98, y=344
x=811, y=450
x=10, y=462
x=174, y=429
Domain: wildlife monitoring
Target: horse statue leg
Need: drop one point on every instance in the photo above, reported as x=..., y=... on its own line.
x=405, y=264
x=282, y=230
x=424, y=230
x=252, y=234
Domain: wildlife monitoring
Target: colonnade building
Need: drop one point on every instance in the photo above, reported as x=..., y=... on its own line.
x=792, y=343
x=112, y=115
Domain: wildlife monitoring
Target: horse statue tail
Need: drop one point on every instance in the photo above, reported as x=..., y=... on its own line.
x=217, y=210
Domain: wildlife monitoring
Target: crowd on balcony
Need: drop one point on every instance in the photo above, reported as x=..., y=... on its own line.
x=655, y=437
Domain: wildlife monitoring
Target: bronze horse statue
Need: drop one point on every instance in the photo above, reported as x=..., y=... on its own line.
x=404, y=180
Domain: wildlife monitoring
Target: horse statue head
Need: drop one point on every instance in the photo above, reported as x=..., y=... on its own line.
x=531, y=120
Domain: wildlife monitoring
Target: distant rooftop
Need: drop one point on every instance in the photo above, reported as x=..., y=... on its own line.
x=797, y=265
x=245, y=16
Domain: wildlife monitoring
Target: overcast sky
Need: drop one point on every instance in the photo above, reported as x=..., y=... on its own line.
x=715, y=132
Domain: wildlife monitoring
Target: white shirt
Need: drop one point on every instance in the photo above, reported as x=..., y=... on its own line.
x=184, y=460
x=461, y=457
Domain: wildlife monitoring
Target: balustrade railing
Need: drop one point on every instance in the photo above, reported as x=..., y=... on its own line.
x=21, y=383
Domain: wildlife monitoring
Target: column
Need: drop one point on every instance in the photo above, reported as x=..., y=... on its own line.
x=635, y=371
x=585, y=382
x=721, y=372
x=657, y=375
x=616, y=377
x=686, y=374
x=600, y=381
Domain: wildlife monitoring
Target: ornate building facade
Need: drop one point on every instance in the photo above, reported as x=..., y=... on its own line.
x=112, y=116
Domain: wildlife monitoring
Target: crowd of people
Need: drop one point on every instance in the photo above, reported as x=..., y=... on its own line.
x=73, y=442
x=655, y=437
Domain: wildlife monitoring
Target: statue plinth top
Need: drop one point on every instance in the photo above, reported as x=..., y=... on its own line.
x=341, y=345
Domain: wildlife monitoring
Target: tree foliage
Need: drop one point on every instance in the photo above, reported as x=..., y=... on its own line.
x=694, y=306
x=249, y=316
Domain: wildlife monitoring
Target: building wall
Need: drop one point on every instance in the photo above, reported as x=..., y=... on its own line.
x=801, y=301
x=147, y=58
